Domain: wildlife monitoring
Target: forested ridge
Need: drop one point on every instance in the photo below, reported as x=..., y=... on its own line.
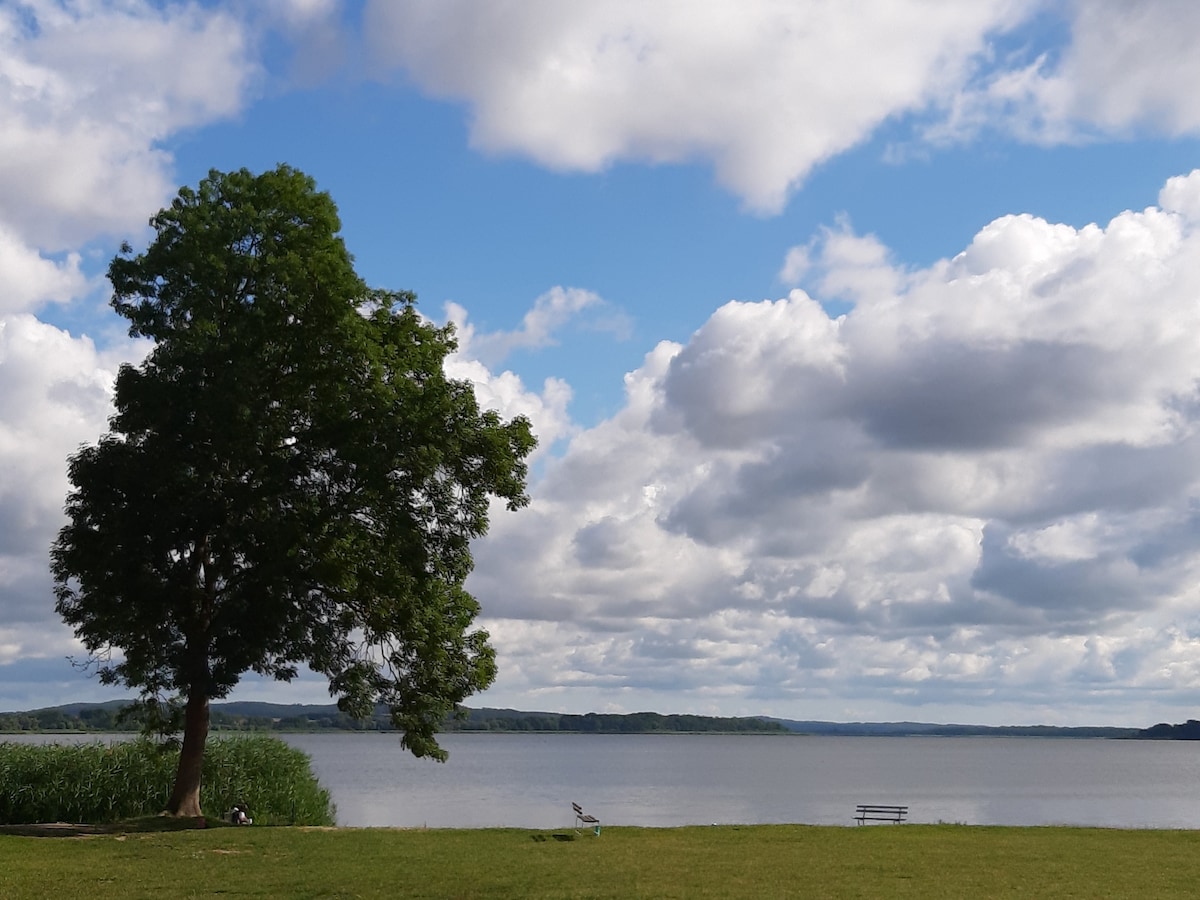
x=257, y=716
x=246, y=716
x=1186, y=731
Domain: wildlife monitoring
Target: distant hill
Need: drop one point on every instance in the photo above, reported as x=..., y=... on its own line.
x=248, y=715
x=929, y=729
x=1188, y=731
x=256, y=716
x=609, y=723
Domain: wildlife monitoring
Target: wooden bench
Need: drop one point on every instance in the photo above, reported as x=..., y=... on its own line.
x=582, y=818
x=873, y=812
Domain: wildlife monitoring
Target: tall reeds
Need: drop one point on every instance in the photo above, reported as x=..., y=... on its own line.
x=98, y=783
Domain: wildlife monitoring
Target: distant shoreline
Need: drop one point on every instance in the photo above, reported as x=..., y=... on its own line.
x=252, y=716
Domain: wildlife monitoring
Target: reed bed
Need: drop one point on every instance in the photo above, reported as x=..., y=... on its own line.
x=102, y=783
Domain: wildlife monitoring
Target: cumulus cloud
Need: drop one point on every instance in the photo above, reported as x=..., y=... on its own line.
x=87, y=91
x=55, y=394
x=763, y=90
x=549, y=314
x=979, y=483
x=314, y=36
x=28, y=280
x=300, y=15
x=1127, y=67
x=1130, y=65
x=984, y=475
x=507, y=394
x=480, y=353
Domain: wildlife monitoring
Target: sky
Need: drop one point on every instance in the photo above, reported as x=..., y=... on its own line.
x=861, y=339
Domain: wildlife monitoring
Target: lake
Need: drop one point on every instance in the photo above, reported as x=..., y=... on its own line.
x=530, y=780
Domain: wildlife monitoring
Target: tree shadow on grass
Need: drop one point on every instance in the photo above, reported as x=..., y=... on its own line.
x=143, y=824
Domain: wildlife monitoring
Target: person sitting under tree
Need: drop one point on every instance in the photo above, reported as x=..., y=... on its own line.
x=238, y=816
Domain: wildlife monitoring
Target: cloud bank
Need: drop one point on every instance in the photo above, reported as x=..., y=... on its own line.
x=981, y=482
x=88, y=92
x=977, y=486
x=765, y=91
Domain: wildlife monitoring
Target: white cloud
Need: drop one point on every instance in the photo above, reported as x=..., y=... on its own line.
x=1127, y=67
x=28, y=279
x=979, y=483
x=54, y=396
x=1181, y=195
x=1131, y=64
x=480, y=352
x=302, y=14
x=316, y=40
x=87, y=91
x=764, y=90
x=550, y=313
x=507, y=394
x=795, y=265
x=983, y=476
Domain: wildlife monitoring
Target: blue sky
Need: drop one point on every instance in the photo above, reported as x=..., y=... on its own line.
x=862, y=346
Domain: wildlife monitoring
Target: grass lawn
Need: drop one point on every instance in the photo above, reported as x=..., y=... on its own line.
x=727, y=861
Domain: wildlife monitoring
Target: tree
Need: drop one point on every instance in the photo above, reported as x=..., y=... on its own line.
x=289, y=476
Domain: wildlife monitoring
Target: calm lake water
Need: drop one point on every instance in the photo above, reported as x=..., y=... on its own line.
x=529, y=781
x=664, y=780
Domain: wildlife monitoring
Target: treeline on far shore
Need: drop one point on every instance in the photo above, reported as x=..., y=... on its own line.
x=257, y=716
x=609, y=723
x=1188, y=731
x=250, y=716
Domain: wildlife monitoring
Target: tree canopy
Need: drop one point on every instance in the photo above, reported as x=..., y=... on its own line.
x=289, y=476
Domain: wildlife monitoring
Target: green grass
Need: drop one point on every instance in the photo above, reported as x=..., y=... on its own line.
x=753, y=862
x=99, y=783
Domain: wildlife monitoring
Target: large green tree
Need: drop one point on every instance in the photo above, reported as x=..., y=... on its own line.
x=289, y=476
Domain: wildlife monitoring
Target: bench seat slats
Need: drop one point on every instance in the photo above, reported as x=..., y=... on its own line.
x=878, y=812
x=584, y=818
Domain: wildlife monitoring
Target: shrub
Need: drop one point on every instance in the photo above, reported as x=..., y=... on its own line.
x=98, y=783
x=273, y=780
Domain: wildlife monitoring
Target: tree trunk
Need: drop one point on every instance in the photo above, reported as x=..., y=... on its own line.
x=185, y=796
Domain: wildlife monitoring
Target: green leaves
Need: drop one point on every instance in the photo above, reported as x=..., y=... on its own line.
x=289, y=477
x=98, y=783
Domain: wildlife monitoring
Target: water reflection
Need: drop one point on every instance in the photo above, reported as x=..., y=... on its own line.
x=668, y=780
x=530, y=780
